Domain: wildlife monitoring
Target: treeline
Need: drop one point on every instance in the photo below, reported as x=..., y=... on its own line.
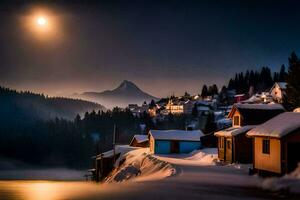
x=261, y=80
x=24, y=108
x=255, y=80
x=64, y=143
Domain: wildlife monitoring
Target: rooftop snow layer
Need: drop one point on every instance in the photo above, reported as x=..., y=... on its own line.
x=122, y=149
x=233, y=131
x=177, y=135
x=282, y=85
x=141, y=138
x=278, y=126
x=272, y=106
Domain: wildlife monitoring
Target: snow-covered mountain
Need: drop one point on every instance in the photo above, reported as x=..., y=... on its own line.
x=126, y=93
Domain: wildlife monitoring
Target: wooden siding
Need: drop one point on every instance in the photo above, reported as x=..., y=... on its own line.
x=228, y=150
x=292, y=138
x=242, y=147
x=134, y=143
x=221, y=150
x=152, y=144
x=268, y=162
x=237, y=113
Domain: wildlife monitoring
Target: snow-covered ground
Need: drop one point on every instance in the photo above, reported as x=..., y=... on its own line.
x=288, y=183
x=139, y=165
x=197, y=175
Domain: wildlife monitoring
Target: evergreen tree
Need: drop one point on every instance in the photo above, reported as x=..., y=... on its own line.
x=282, y=74
x=292, y=99
x=204, y=92
x=152, y=104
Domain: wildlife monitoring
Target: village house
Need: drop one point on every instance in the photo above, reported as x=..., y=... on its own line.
x=253, y=114
x=233, y=145
x=278, y=91
x=174, y=107
x=139, y=141
x=239, y=97
x=277, y=144
x=174, y=141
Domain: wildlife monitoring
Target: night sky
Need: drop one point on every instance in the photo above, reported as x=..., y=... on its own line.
x=165, y=47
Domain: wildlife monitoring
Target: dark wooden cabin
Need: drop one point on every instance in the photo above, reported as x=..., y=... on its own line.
x=234, y=146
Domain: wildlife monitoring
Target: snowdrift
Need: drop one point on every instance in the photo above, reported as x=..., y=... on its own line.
x=139, y=165
x=207, y=156
x=288, y=183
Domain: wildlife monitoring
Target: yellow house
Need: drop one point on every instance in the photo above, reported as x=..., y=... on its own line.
x=174, y=108
x=276, y=144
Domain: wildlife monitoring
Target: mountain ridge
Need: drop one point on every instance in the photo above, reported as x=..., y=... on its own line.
x=126, y=93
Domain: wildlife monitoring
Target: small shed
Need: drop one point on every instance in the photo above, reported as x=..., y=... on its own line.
x=139, y=141
x=174, y=141
x=277, y=144
x=234, y=146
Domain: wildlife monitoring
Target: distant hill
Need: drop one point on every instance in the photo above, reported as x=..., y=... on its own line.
x=126, y=93
x=19, y=108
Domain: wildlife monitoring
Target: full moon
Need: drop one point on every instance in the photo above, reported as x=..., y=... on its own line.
x=41, y=21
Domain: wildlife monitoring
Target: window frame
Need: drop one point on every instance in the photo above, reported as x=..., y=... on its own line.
x=238, y=120
x=266, y=146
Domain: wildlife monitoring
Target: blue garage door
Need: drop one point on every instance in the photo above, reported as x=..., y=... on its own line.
x=187, y=147
x=162, y=147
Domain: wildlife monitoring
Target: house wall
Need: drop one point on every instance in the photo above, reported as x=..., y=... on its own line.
x=228, y=150
x=187, y=147
x=292, y=138
x=162, y=147
x=268, y=162
x=141, y=144
x=237, y=113
x=242, y=149
x=152, y=144
x=276, y=93
x=221, y=148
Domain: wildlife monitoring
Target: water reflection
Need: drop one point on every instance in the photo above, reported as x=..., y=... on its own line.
x=45, y=190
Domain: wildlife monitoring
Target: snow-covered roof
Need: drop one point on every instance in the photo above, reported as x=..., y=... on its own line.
x=282, y=85
x=233, y=131
x=176, y=135
x=224, y=121
x=278, y=126
x=271, y=106
x=239, y=95
x=122, y=149
x=140, y=138
x=203, y=108
x=253, y=99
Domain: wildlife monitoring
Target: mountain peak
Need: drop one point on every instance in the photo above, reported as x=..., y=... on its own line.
x=127, y=85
